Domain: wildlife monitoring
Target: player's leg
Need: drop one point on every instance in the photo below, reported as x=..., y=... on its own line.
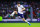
x=15, y=12
x=22, y=16
x=26, y=21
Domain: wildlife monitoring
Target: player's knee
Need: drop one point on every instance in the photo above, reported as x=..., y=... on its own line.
x=15, y=12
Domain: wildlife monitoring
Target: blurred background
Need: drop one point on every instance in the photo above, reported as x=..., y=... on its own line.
x=32, y=12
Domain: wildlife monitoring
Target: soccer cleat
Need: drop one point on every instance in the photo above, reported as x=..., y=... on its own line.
x=9, y=15
x=29, y=23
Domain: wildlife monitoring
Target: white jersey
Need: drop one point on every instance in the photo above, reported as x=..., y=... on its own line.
x=19, y=9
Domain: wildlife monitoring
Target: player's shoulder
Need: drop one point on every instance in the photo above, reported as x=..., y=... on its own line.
x=21, y=5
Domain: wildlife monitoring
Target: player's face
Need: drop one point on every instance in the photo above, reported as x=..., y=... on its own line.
x=18, y=4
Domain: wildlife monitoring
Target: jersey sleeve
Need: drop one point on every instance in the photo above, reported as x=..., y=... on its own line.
x=22, y=6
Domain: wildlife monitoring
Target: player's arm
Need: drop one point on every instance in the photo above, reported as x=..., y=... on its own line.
x=23, y=8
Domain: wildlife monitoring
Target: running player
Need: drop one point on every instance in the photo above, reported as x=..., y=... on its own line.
x=20, y=12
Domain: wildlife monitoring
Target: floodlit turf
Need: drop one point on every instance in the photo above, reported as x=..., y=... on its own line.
x=19, y=25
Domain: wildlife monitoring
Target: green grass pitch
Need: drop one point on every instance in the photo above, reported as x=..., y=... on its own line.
x=19, y=25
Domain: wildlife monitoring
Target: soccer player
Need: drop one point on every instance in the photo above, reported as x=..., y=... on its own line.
x=20, y=12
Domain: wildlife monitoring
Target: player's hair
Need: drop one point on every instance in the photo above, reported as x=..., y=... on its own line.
x=18, y=3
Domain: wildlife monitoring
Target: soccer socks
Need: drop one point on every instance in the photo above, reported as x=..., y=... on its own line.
x=27, y=22
x=12, y=14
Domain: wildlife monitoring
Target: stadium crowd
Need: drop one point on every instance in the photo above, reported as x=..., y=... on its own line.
x=6, y=8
